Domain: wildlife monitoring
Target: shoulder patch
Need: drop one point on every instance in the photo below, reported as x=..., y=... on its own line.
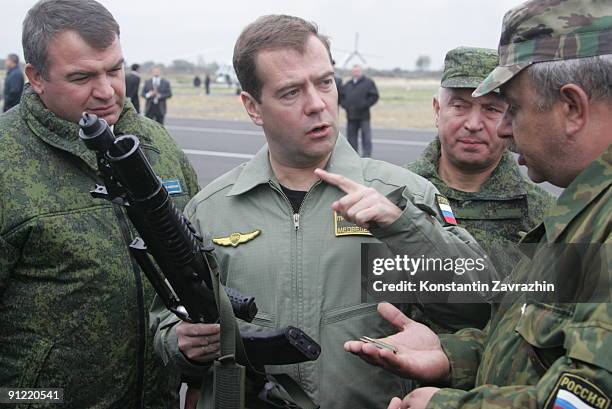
x=173, y=186
x=235, y=239
x=574, y=392
x=445, y=210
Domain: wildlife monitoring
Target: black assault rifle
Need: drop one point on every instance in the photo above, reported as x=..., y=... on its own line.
x=184, y=282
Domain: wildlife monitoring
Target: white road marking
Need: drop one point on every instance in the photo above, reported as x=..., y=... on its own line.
x=218, y=154
x=260, y=133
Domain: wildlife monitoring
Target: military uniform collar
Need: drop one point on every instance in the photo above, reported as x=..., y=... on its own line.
x=587, y=186
x=257, y=171
x=344, y=160
x=505, y=182
x=64, y=134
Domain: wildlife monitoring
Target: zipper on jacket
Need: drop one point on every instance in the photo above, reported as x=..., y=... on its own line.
x=125, y=232
x=296, y=226
x=296, y=220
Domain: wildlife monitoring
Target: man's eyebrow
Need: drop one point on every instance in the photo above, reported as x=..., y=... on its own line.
x=493, y=99
x=456, y=97
x=326, y=74
x=287, y=86
x=119, y=63
x=84, y=73
x=298, y=83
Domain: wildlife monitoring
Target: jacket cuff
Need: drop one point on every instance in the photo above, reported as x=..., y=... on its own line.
x=177, y=359
x=446, y=399
x=464, y=358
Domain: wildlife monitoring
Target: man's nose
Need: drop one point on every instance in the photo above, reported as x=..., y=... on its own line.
x=474, y=121
x=314, y=101
x=103, y=88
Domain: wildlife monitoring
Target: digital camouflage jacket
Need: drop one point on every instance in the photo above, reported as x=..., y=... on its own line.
x=507, y=206
x=73, y=303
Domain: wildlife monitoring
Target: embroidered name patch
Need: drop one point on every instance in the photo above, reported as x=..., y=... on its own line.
x=343, y=227
x=235, y=239
x=173, y=186
x=575, y=392
x=446, y=210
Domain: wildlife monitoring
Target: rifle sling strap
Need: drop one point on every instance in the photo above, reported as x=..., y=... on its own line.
x=229, y=374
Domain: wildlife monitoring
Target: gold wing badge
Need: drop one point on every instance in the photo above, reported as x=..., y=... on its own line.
x=235, y=239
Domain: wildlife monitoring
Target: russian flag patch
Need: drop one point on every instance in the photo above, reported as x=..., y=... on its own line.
x=575, y=392
x=173, y=186
x=446, y=210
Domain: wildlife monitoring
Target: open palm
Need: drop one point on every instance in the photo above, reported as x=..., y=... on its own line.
x=419, y=353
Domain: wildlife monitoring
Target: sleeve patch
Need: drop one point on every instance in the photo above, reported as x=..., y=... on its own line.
x=173, y=186
x=575, y=392
x=445, y=210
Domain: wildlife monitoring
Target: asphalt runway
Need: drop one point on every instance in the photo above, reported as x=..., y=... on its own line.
x=214, y=146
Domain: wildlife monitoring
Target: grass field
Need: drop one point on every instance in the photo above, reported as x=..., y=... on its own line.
x=404, y=103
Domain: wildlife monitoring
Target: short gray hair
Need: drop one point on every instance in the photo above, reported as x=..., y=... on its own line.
x=47, y=18
x=592, y=74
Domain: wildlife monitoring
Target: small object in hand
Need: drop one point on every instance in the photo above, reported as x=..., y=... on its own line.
x=379, y=344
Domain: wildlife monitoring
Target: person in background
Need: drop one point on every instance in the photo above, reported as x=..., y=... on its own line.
x=156, y=91
x=471, y=166
x=357, y=96
x=132, y=85
x=13, y=82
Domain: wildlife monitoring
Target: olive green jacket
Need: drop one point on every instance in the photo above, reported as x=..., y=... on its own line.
x=302, y=274
x=532, y=350
x=73, y=303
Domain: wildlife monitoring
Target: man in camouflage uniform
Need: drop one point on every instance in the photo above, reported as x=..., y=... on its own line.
x=555, y=70
x=73, y=303
x=469, y=164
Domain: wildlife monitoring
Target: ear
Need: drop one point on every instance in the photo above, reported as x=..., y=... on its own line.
x=436, y=109
x=252, y=107
x=35, y=78
x=575, y=108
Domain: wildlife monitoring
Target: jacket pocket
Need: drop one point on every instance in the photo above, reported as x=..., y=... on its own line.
x=264, y=319
x=339, y=325
x=343, y=313
x=35, y=366
x=543, y=326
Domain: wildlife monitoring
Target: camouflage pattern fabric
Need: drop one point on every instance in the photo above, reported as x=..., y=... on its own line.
x=529, y=349
x=507, y=206
x=73, y=303
x=545, y=30
x=467, y=67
